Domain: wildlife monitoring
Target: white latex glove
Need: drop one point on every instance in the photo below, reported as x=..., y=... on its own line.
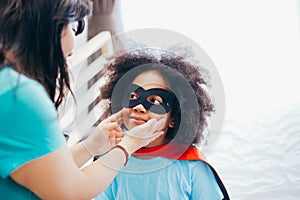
x=107, y=134
x=142, y=135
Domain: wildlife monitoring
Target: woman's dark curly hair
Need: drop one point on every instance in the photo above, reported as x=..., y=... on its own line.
x=177, y=72
x=31, y=31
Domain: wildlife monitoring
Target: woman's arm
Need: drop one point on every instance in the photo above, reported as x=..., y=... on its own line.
x=80, y=154
x=57, y=176
x=105, y=136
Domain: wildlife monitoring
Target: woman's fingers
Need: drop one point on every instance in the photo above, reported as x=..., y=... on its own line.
x=116, y=134
x=116, y=117
x=147, y=129
x=109, y=126
x=115, y=137
x=119, y=134
x=112, y=140
x=155, y=135
x=120, y=121
x=157, y=125
x=118, y=140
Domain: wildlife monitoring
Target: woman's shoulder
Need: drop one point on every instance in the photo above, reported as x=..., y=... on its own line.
x=13, y=80
x=20, y=94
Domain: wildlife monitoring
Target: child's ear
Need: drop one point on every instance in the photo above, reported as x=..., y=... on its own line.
x=172, y=123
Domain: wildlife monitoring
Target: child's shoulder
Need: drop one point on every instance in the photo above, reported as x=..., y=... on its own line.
x=192, y=164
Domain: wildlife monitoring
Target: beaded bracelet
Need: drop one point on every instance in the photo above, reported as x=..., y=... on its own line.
x=124, y=150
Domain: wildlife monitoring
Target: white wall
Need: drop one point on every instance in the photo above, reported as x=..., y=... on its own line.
x=253, y=43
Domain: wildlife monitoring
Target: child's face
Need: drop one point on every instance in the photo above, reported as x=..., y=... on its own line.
x=138, y=114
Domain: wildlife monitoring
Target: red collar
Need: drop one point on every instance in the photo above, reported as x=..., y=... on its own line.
x=171, y=151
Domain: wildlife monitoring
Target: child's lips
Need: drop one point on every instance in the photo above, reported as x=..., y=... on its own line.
x=137, y=120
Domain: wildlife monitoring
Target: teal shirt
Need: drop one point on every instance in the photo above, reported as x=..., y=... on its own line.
x=163, y=179
x=29, y=129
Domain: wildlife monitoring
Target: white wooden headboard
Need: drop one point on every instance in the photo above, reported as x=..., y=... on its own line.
x=77, y=117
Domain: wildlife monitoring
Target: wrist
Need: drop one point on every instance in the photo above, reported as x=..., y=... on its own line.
x=94, y=148
x=127, y=146
x=86, y=146
x=124, y=150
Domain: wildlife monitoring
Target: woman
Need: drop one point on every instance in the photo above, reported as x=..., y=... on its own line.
x=36, y=37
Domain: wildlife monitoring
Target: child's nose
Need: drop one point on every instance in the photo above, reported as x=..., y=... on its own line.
x=140, y=108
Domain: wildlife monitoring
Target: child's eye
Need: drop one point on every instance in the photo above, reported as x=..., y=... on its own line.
x=133, y=96
x=156, y=100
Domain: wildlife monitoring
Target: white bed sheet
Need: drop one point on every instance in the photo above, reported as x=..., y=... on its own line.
x=260, y=159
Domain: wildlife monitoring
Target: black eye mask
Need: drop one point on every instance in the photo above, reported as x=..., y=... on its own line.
x=168, y=99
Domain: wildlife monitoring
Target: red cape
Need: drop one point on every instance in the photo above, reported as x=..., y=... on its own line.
x=174, y=152
x=171, y=151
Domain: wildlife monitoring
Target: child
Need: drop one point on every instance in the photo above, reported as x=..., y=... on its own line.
x=154, y=83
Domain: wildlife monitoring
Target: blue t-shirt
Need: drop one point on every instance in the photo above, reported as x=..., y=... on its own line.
x=29, y=129
x=161, y=178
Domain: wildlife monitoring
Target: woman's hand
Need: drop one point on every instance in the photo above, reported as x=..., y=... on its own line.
x=107, y=134
x=142, y=135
